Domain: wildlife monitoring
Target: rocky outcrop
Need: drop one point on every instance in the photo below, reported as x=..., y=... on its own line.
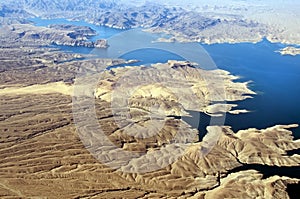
x=174, y=87
x=250, y=184
x=101, y=43
x=76, y=32
x=58, y=35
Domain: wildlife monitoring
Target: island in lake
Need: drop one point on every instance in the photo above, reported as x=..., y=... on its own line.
x=290, y=51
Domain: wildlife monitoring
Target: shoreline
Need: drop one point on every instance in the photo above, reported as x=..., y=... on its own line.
x=179, y=37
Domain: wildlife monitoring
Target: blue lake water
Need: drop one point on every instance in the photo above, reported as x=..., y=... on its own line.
x=276, y=78
x=103, y=31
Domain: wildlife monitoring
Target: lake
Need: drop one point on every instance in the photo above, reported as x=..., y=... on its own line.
x=274, y=77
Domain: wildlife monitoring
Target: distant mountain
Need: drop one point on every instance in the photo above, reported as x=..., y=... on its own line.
x=60, y=5
x=67, y=5
x=183, y=25
x=6, y=11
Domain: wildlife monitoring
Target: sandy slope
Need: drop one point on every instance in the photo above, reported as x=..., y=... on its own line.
x=56, y=87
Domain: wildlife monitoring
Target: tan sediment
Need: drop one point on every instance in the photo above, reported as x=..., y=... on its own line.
x=56, y=87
